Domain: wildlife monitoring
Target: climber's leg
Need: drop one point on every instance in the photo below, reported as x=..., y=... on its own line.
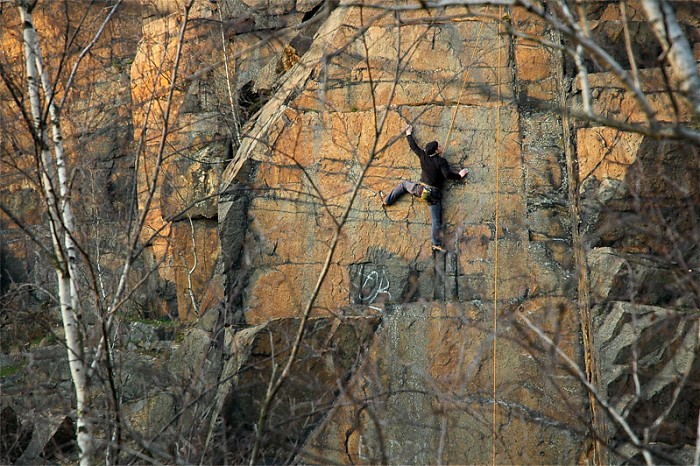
x=436, y=222
x=400, y=189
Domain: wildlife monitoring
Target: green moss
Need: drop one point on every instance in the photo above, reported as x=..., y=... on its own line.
x=179, y=337
x=43, y=340
x=151, y=353
x=163, y=322
x=7, y=371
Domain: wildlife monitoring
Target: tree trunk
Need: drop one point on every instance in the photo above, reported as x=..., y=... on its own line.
x=676, y=49
x=61, y=222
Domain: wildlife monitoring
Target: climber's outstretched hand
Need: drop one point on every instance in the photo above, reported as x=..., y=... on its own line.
x=463, y=172
x=409, y=130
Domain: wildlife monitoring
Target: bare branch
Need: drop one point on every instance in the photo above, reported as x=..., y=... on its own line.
x=675, y=48
x=86, y=50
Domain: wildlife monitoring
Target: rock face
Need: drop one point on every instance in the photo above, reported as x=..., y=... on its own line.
x=301, y=165
x=290, y=182
x=201, y=130
x=662, y=343
x=318, y=148
x=331, y=351
x=432, y=368
x=286, y=124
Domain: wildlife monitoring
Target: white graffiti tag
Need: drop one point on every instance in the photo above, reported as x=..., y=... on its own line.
x=370, y=287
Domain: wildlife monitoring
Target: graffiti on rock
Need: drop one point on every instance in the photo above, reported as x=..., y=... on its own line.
x=369, y=284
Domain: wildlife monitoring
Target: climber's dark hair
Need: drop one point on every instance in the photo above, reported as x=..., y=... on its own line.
x=431, y=147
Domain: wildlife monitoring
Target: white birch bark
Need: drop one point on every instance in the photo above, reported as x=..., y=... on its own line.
x=676, y=48
x=66, y=210
x=53, y=170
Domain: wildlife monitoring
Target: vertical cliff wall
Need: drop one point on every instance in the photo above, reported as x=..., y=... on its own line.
x=230, y=58
x=509, y=230
x=309, y=145
x=588, y=231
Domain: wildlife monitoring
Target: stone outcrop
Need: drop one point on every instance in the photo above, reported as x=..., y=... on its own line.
x=410, y=356
x=425, y=394
x=331, y=351
x=36, y=419
x=657, y=346
x=291, y=180
x=640, y=210
x=168, y=377
x=38, y=423
x=246, y=56
x=640, y=221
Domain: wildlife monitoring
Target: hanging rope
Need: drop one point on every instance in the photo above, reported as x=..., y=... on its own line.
x=464, y=84
x=495, y=265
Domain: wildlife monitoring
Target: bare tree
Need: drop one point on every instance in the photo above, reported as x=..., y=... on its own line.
x=57, y=197
x=42, y=115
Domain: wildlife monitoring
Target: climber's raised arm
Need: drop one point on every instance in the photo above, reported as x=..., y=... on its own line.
x=412, y=142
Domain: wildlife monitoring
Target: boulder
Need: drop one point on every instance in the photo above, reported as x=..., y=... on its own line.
x=329, y=354
x=648, y=369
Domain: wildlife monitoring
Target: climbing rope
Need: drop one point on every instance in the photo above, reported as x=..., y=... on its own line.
x=495, y=265
x=495, y=269
x=464, y=85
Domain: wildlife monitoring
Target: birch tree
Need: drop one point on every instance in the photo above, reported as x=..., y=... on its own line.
x=47, y=134
x=676, y=49
x=83, y=303
x=61, y=220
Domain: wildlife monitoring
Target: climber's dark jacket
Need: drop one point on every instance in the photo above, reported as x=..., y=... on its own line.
x=434, y=170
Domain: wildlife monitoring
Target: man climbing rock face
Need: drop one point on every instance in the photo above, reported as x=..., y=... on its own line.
x=434, y=171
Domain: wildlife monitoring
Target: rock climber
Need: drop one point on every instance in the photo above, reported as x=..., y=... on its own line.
x=434, y=171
